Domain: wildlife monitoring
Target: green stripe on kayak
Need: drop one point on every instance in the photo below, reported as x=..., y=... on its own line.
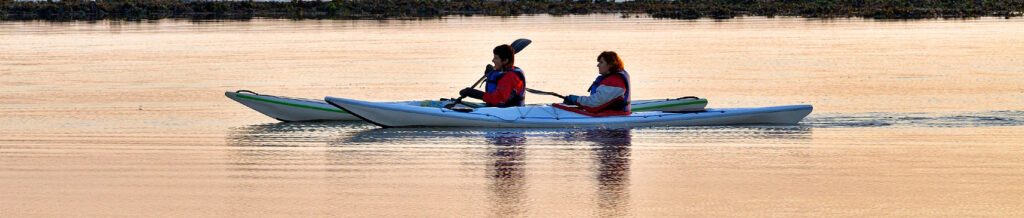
x=290, y=104
x=670, y=105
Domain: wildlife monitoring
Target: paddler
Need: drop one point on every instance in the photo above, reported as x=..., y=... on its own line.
x=506, y=85
x=609, y=94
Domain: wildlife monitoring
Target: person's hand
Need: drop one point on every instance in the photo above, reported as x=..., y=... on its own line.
x=488, y=69
x=570, y=100
x=472, y=93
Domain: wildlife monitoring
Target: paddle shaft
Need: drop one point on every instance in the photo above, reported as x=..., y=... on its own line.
x=482, y=78
x=534, y=91
x=459, y=100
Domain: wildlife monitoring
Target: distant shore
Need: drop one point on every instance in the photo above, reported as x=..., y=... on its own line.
x=426, y=9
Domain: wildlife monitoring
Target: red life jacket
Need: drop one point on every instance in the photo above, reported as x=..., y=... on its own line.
x=515, y=98
x=617, y=106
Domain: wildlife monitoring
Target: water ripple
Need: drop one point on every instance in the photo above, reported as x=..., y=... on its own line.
x=916, y=119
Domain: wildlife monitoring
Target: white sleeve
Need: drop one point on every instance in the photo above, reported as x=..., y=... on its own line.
x=603, y=95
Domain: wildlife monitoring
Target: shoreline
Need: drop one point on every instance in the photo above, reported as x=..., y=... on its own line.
x=429, y=9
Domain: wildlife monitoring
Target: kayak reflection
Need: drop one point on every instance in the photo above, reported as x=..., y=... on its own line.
x=508, y=183
x=516, y=171
x=290, y=134
x=257, y=150
x=611, y=152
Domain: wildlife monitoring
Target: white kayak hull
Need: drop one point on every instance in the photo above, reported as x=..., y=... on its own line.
x=387, y=114
x=300, y=109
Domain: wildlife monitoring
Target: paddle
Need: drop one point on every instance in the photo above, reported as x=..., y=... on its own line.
x=534, y=91
x=517, y=46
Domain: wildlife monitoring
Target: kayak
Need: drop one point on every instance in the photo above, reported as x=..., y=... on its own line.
x=302, y=109
x=390, y=114
x=289, y=108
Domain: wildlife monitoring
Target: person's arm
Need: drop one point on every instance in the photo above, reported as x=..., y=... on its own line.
x=602, y=97
x=473, y=93
x=507, y=86
x=610, y=91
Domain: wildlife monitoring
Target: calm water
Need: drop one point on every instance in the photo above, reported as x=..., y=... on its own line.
x=919, y=118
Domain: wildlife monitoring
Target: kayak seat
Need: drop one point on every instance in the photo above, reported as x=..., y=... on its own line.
x=606, y=113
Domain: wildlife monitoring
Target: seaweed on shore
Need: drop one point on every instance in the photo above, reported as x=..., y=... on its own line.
x=420, y=9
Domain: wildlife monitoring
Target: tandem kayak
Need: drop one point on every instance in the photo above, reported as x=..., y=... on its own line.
x=301, y=109
x=390, y=114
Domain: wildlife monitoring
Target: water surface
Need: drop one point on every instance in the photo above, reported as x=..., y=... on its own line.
x=917, y=118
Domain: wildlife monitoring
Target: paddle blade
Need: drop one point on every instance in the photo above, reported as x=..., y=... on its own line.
x=520, y=44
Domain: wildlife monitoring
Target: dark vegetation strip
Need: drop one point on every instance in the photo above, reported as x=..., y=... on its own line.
x=418, y=9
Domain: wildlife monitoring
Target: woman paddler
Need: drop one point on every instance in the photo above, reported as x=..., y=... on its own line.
x=506, y=85
x=609, y=94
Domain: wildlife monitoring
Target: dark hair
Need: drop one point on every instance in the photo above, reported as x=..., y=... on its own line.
x=611, y=58
x=506, y=52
